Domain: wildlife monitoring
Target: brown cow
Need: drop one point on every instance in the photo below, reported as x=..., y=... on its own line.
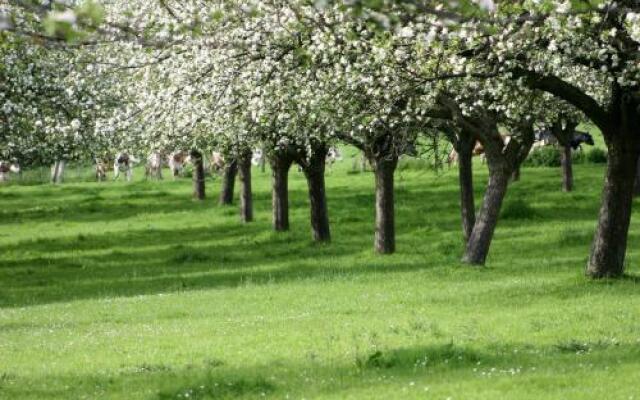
x=7, y=167
x=177, y=161
x=478, y=150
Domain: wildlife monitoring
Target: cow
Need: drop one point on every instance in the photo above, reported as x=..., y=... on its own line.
x=478, y=150
x=177, y=161
x=101, y=169
x=7, y=167
x=544, y=138
x=579, y=139
x=257, y=158
x=153, y=167
x=124, y=162
x=217, y=162
x=333, y=155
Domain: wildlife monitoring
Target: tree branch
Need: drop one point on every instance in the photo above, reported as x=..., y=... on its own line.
x=567, y=92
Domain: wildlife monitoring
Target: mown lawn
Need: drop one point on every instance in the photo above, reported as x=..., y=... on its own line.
x=134, y=291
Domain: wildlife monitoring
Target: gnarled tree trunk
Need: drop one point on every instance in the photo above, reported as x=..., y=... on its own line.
x=384, y=170
x=280, y=165
x=314, y=171
x=465, y=173
x=482, y=233
x=246, y=196
x=567, y=168
x=503, y=161
x=610, y=242
x=198, y=175
x=228, y=182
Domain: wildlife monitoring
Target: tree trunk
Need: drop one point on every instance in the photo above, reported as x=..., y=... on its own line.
x=280, y=165
x=636, y=185
x=567, y=168
x=263, y=160
x=228, y=182
x=57, y=172
x=314, y=172
x=465, y=172
x=385, y=238
x=198, y=175
x=482, y=234
x=610, y=241
x=246, y=196
x=515, y=175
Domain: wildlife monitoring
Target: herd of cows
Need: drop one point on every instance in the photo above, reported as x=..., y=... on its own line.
x=124, y=162
x=543, y=139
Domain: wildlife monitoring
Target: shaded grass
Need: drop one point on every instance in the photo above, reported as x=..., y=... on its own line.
x=135, y=291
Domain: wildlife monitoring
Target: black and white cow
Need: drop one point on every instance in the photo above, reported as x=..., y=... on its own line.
x=544, y=138
x=257, y=158
x=124, y=162
x=579, y=139
x=333, y=155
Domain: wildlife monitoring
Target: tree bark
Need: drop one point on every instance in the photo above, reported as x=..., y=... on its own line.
x=482, y=234
x=567, y=168
x=610, y=242
x=228, y=182
x=57, y=172
x=280, y=165
x=515, y=175
x=636, y=185
x=198, y=175
x=503, y=161
x=263, y=160
x=465, y=173
x=314, y=172
x=246, y=195
x=385, y=237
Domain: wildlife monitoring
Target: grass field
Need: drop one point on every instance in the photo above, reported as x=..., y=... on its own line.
x=134, y=291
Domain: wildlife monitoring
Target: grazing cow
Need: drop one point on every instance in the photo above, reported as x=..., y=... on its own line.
x=333, y=155
x=478, y=150
x=579, y=139
x=153, y=167
x=217, y=162
x=177, y=161
x=124, y=163
x=257, y=158
x=101, y=169
x=7, y=167
x=544, y=138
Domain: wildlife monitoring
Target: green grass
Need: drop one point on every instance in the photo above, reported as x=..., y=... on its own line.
x=134, y=291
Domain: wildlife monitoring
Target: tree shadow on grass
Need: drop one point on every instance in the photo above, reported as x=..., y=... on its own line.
x=443, y=366
x=165, y=260
x=227, y=253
